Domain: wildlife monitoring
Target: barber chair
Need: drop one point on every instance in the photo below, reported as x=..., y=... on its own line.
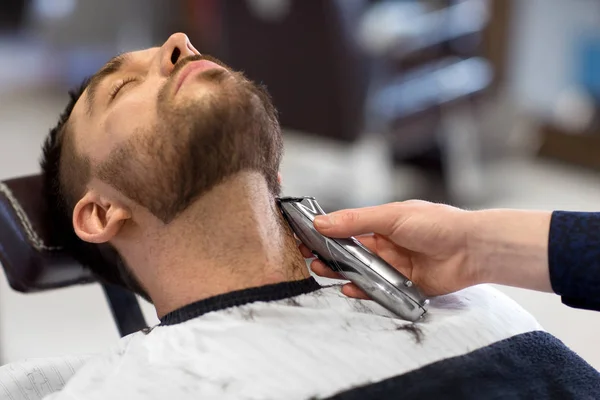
x=34, y=260
x=427, y=81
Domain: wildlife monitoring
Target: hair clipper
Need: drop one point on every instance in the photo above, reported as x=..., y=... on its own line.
x=382, y=282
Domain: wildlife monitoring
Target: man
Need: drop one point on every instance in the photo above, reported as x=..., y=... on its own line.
x=169, y=161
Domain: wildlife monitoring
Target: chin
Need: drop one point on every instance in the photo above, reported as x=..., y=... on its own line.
x=197, y=91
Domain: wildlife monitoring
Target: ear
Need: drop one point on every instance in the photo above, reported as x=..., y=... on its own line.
x=279, y=179
x=97, y=219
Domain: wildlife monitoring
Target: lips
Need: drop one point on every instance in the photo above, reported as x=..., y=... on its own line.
x=194, y=67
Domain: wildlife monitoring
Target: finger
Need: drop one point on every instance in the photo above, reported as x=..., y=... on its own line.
x=380, y=219
x=397, y=257
x=351, y=290
x=306, y=253
x=369, y=241
x=319, y=268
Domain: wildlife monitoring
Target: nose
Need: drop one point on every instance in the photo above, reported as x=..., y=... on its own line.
x=178, y=46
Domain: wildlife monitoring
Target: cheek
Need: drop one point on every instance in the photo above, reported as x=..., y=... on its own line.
x=130, y=115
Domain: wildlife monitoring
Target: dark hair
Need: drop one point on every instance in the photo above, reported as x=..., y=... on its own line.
x=65, y=176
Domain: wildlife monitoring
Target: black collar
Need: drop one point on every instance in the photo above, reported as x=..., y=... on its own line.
x=273, y=292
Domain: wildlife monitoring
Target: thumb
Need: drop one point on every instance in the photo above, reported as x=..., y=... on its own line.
x=380, y=219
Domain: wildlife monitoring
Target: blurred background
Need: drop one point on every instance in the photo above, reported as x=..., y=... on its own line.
x=474, y=103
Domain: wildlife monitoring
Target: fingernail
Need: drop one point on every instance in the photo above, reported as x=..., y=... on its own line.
x=323, y=222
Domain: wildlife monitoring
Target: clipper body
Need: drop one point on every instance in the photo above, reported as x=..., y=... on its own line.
x=382, y=282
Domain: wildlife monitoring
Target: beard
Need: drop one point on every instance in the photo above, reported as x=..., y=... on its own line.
x=197, y=145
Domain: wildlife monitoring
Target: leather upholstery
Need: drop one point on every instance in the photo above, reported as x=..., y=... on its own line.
x=32, y=258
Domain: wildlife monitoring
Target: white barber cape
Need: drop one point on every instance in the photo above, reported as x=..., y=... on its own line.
x=298, y=340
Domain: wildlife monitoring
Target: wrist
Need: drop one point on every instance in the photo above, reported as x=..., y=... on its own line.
x=478, y=248
x=510, y=247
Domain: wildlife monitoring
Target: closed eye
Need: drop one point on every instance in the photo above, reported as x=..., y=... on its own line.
x=118, y=86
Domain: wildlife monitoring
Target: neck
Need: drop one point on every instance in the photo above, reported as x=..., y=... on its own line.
x=233, y=238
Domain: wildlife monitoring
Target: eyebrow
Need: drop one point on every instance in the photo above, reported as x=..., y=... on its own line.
x=113, y=66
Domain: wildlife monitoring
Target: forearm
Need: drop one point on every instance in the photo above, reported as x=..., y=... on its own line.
x=510, y=247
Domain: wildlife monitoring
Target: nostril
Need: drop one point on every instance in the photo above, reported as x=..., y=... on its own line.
x=175, y=55
x=192, y=48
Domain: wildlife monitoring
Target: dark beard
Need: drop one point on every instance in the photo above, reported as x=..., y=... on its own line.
x=197, y=146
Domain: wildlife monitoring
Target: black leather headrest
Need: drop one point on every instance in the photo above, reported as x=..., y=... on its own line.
x=33, y=259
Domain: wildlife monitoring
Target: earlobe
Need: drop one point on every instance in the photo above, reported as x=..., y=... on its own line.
x=98, y=221
x=279, y=179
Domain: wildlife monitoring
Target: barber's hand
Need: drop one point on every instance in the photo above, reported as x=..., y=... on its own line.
x=426, y=242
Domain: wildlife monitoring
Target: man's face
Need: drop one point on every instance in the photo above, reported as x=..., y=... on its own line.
x=165, y=125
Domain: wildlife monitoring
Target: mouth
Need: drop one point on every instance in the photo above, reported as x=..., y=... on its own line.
x=193, y=68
